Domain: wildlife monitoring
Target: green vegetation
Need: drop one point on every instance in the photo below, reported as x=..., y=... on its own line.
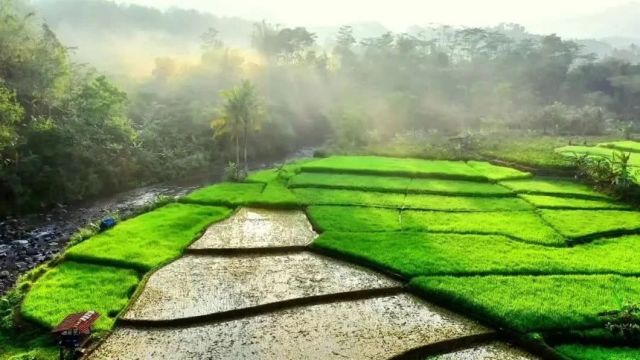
x=313, y=196
x=596, y=151
x=227, y=194
x=71, y=287
x=630, y=146
x=416, y=254
x=460, y=203
x=580, y=223
x=552, y=202
x=533, y=303
x=148, y=240
x=524, y=225
x=351, y=182
x=536, y=152
x=456, y=187
x=375, y=165
x=595, y=352
x=338, y=218
x=397, y=184
x=496, y=173
x=555, y=187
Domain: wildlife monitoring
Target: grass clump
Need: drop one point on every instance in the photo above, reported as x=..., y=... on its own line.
x=595, y=352
x=582, y=223
x=552, y=187
x=338, y=218
x=456, y=187
x=350, y=182
x=496, y=173
x=72, y=287
x=226, y=194
x=148, y=240
x=416, y=254
x=553, y=202
x=469, y=203
x=532, y=303
x=524, y=225
x=376, y=165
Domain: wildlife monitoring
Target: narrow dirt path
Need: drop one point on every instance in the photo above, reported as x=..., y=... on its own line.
x=250, y=288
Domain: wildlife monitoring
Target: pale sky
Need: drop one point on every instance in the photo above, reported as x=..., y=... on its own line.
x=396, y=14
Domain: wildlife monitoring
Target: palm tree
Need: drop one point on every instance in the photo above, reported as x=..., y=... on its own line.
x=241, y=112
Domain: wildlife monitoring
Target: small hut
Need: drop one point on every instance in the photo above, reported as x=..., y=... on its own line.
x=74, y=332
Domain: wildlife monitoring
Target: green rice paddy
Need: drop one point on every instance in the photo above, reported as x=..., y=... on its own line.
x=527, y=254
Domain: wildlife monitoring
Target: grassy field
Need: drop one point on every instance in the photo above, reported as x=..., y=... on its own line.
x=525, y=303
x=73, y=287
x=594, y=352
x=149, y=240
x=528, y=254
x=375, y=165
x=554, y=202
x=524, y=225
x=579, y=223
x=421, y=254
x=628, y=146
x=608, y=153
x=556, y=187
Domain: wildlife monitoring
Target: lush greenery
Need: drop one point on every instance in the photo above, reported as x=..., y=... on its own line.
x=594, y=352
x=556, y=187
x=495, y=251
x=553, y=202
x=579, y=223
x=149, y=240
x=523, y=225
x=525, y=302
x=72, y=287
x=414, y=254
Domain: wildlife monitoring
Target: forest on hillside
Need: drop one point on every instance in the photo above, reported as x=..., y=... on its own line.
x=69, y=131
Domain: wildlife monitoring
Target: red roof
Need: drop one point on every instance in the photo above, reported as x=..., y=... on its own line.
x=80, y=321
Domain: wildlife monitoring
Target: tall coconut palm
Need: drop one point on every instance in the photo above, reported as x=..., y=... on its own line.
x=241, y=112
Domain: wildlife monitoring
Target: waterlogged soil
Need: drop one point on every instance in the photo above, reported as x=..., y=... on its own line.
x=376, y=328
x=201, y=285
x=493, y=351
x=257, y=228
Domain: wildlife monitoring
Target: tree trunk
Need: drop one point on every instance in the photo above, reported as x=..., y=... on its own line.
x=237, y=150
x=246, y=131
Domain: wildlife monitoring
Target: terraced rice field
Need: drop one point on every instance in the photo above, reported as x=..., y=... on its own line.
x=496, y=247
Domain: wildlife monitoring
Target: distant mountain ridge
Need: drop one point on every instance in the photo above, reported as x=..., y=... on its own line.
x=618, y=25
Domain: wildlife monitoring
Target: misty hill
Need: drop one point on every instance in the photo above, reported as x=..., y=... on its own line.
x=618, y=25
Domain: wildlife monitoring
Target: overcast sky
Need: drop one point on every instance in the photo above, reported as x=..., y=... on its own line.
x=396, y=14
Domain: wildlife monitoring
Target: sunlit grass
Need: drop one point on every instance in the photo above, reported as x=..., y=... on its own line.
x=415, y=254
x=552, y=187
x=530, y=303
x=525, y=225
x=337, y=218
x=553, y=202
x=580, y=223
x=72, y=287
x=149, y=240
x=226, y=194
x=595, y=352
x=376, y=165
x=494, y=172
